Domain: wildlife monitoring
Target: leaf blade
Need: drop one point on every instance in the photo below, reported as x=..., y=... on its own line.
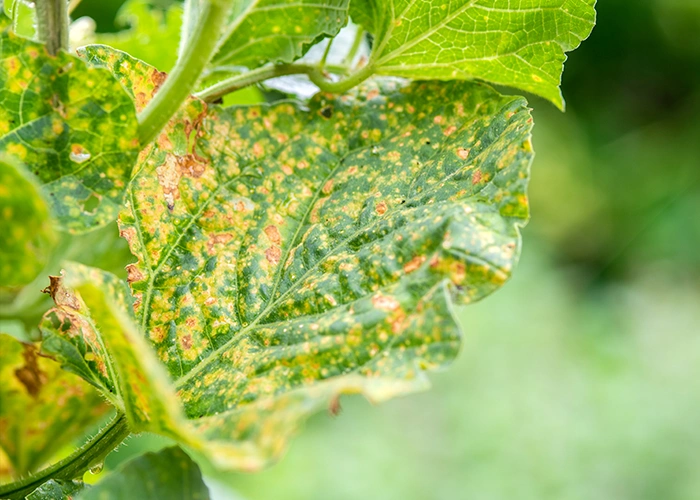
x=262, y=31
x=26, y=225
x=169, y=473
x=521, y=46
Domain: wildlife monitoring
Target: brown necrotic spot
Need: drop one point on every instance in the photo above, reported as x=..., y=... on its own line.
x=134, y=274
x=186, y=342
x=30, y=375
x=273, y=234
x=273, y=254
x=327, y=112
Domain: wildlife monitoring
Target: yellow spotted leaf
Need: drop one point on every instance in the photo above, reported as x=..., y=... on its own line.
x=290, y=253
x=73, y=126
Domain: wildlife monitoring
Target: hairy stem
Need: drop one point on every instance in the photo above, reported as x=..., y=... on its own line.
x=89, y=455
x=52, y=24
x=177, y=87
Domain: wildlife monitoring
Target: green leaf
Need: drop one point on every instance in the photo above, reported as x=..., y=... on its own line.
x=291, y=253
x=42, y=408
x=73, y=126
x=519, y=44
x=261, y=31
x=57, y=490
x=169, y=474
x=152, y=36
x=25, y=224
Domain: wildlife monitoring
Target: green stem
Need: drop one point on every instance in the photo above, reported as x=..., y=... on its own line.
x=344, y=85
x=359, y=36
x=89, y=455
x=179, y=84
x=322, y=63
x=52, y=24
x=243, y=80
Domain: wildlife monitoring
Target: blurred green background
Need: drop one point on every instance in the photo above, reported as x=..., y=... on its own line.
x=579, y=380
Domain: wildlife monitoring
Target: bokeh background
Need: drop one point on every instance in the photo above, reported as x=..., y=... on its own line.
x=581, y=378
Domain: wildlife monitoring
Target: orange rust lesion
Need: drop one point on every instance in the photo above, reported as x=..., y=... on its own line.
x=414, y=264
x=273, y=255
x=186, y=342
x=273, y=234
x=217, y=239
x=477, y=176
x=398, y=322
x=381, y=208
x=385, y=303
x=449, y=130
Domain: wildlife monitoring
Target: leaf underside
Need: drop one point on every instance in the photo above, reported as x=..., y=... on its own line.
x=261, y=31
x=290, y=253
x=73, y=126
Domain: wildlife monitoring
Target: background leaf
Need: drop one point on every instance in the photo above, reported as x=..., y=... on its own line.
x=261, y=31
x=170, y=474
x=153, y=33
x=57, y=490
x=42, y=408
x=73, y=126
x=519, y=44
x=26, y=226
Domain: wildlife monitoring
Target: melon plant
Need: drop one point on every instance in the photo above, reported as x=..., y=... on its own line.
x=283, y=253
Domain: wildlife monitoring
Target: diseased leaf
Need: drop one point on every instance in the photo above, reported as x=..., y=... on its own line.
x=25, y=226
x=520, y=44
x=169, y=474
x=58, y=490
x=91, y=332
x=261, y=31
x=73, y=126
x=139, y=80
x=291, y=253
x=42, y=407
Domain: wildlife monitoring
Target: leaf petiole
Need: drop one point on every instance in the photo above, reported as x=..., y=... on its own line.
x=52, y=24
x=315, y=74
x=177, y=87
